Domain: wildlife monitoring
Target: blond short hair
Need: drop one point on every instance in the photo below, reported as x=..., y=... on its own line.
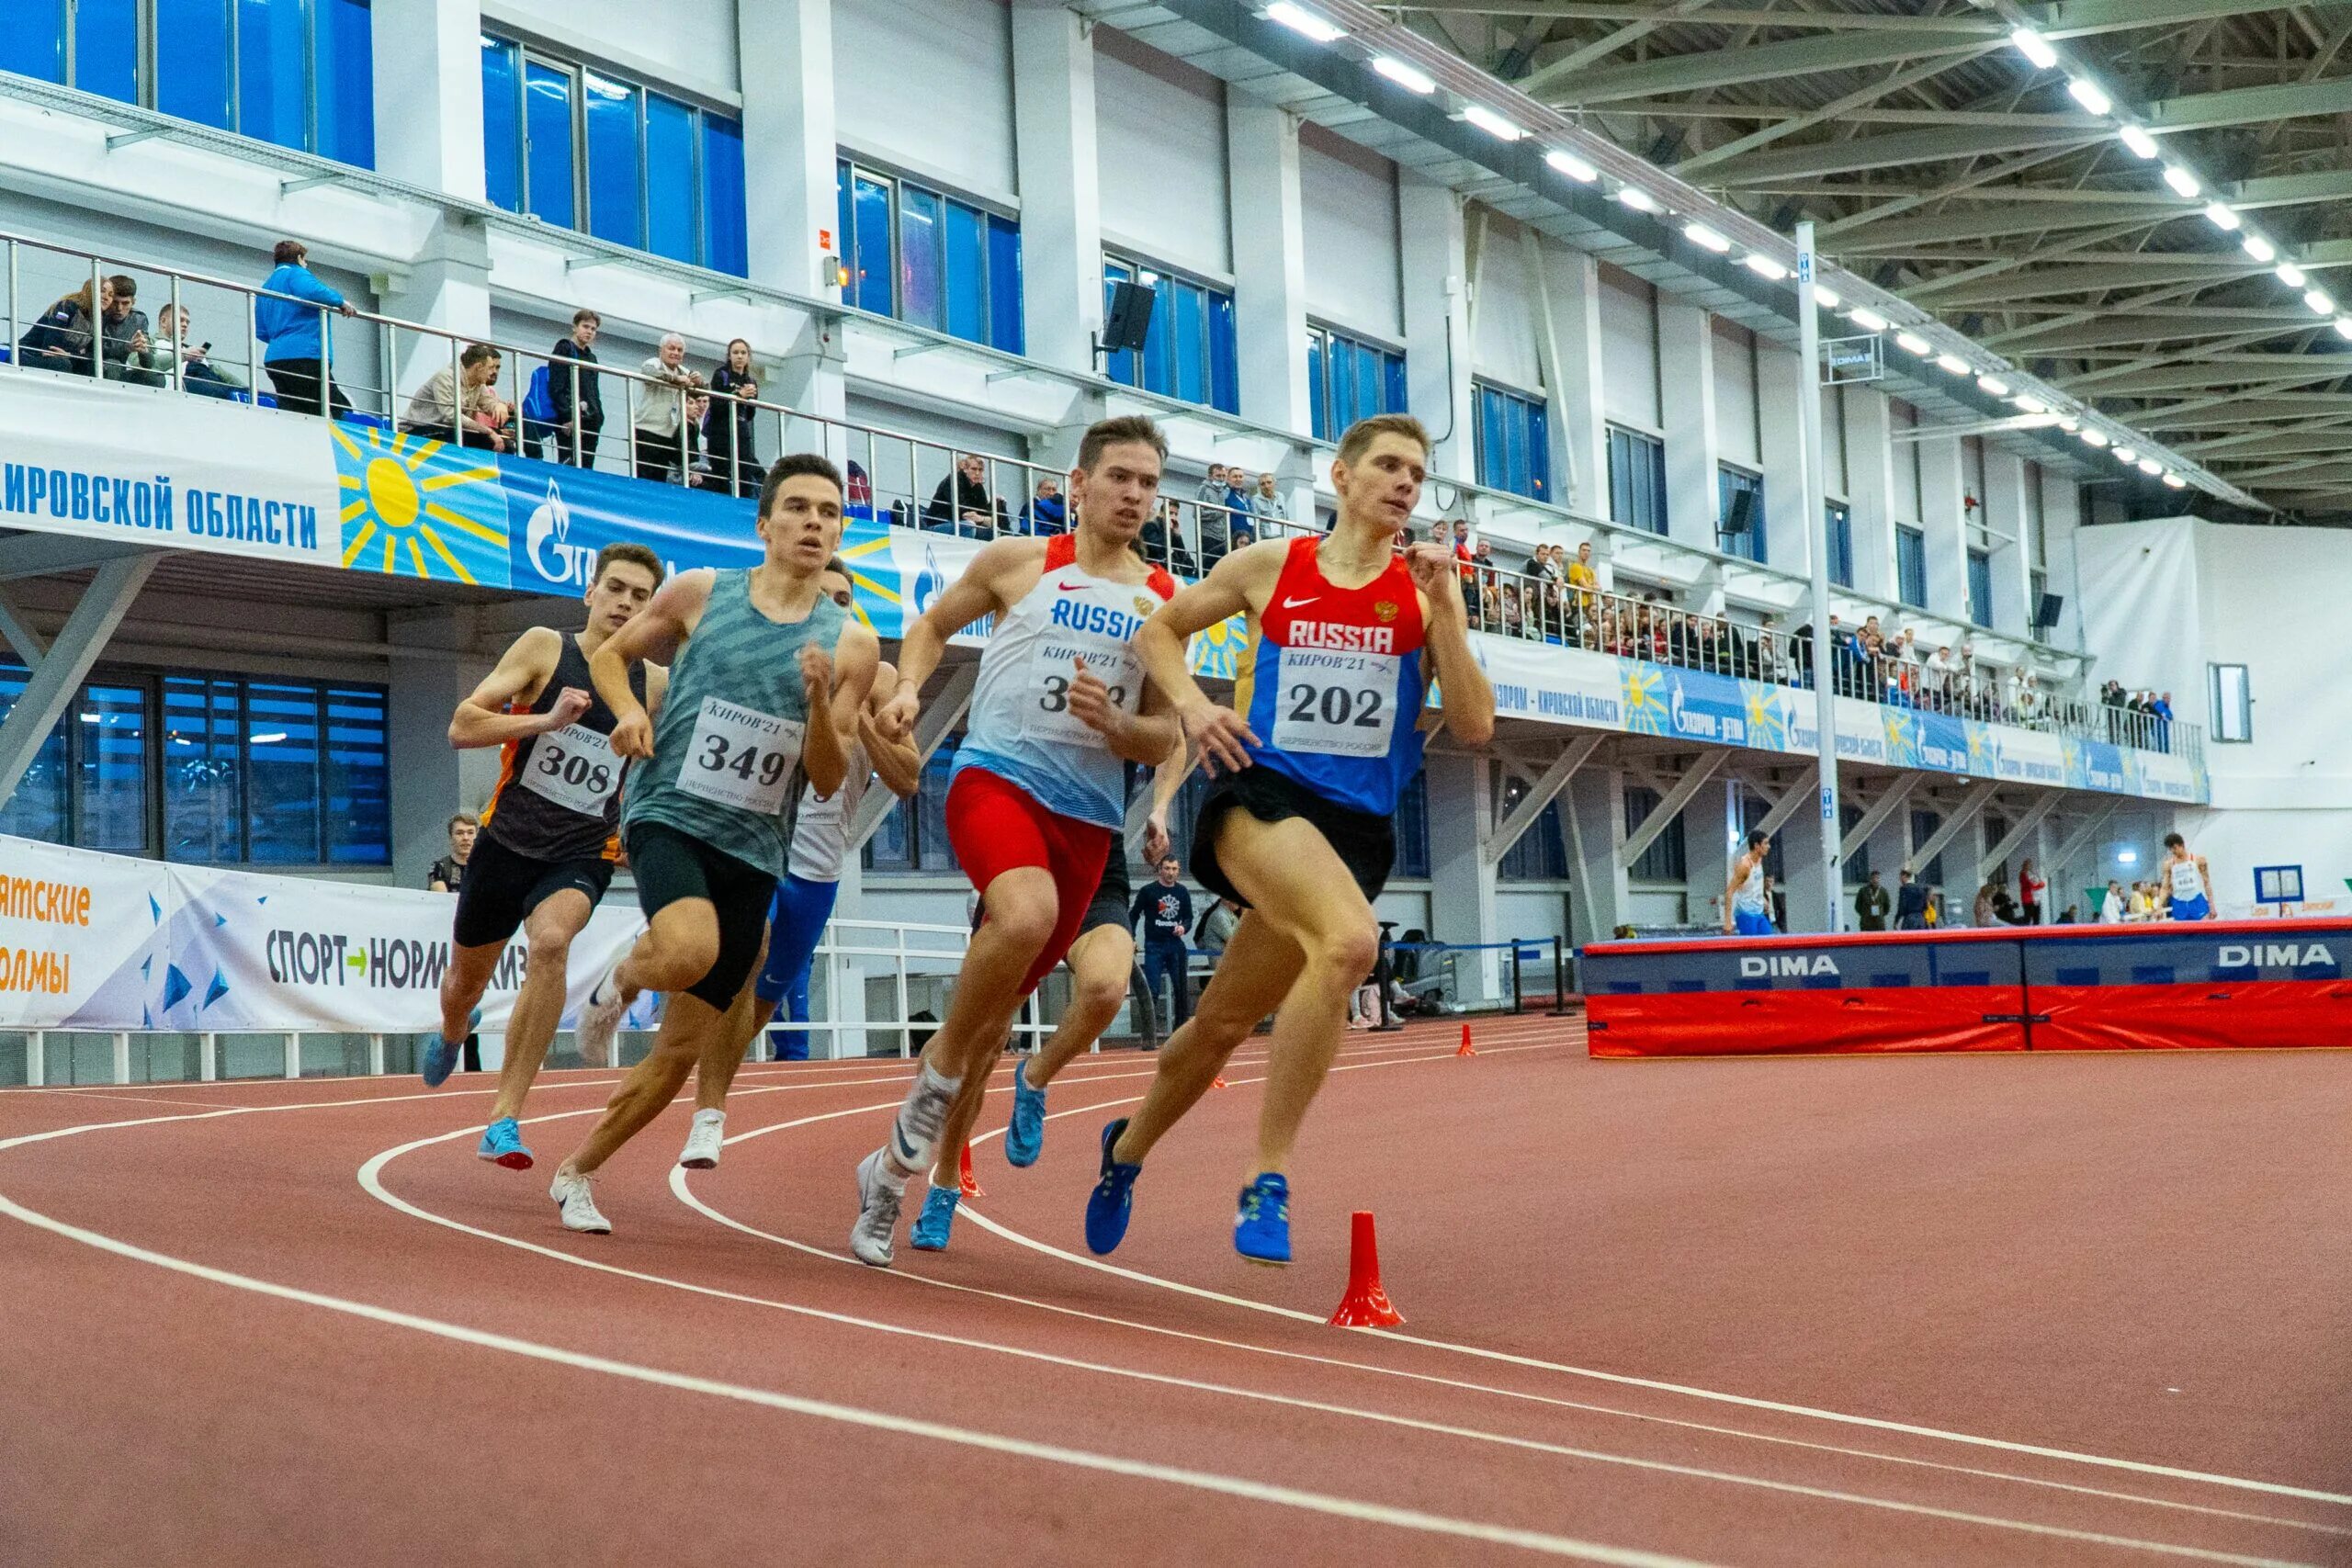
x=1365, y=432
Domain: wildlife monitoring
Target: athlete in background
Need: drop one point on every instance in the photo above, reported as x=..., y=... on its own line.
x=549, y=833
x=2187, y=885
x=1747, y=907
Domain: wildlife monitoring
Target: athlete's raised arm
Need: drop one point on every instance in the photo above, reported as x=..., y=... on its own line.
x=481, y=718
x=1445, y=622
x=836, y=692
x=978, y=593
x=1238, y=584
x=654, y=632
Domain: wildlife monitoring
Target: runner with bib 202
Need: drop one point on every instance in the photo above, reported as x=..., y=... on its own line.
x=1325, y=730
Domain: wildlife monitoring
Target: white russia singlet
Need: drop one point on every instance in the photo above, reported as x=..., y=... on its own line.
x=1021, y=728
x=2186, y=881
x=821, y=832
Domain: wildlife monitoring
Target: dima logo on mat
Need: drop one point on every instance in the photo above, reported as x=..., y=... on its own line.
x=2274, y=956
x=1762, y=966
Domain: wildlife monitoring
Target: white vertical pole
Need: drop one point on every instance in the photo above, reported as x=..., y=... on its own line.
x=208, y=1057
x=1816, y=523
x=376, y=1055
x=294, y=1054
x=122, y=1057
x=36, y=1059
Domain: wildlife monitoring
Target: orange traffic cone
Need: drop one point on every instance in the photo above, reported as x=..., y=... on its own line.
x=1365, y=1305
x=970, y=1184
x=1467, y=1049
x=1219, y=1083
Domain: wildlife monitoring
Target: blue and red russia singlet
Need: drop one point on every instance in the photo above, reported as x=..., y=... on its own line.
x=1332, y=683
x=1021, y=728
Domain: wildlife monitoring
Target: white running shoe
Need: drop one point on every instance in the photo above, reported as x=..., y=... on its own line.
x=600, y=1019
x=702, y=1140
x=574, y=1194
x=873, y=1236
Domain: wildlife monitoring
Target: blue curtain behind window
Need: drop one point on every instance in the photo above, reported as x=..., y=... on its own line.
x=1319, y=406
x=966, y=272
x=282, y=765
x=615, y=174
x=1394, y=371
x=192, y=60
x=872, y=273
x=1911, y=566
x=111, y=783
x=33, y=44
x=1120, y=365
x=1191, y=343
x=203, y=798
x=1159, y=371
x=1005, y=320
x=547, y=143
x=1225, y=371
x=273, y=72
x=358, y=777
x=346, y=78
x=1413, y=829
x=501, y=125
x=1980, y=588
x=920, y=288
x=726, y=240
x=1841, y=545
x=106, y=49
x=669, y=178
x=1730, y=484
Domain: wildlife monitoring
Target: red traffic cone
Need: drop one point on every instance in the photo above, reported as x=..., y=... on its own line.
x=970, y=1184
x=1467, y=1049
x=1219, y=1083
x=1365, y=1305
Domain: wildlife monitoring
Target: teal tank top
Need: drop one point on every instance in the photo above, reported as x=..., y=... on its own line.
x=726, y=764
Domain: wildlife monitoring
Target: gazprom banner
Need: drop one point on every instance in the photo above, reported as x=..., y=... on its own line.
x=230, y=478
x=92, y=941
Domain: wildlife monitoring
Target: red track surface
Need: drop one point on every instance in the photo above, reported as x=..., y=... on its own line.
x=1940, y=1309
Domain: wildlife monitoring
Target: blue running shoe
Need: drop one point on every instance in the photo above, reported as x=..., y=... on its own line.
x=938, y=1215
x=1026, y=1139
x=501, y=1144
x=1114, y=1198
x=441, y=1056
x=1262, y=1230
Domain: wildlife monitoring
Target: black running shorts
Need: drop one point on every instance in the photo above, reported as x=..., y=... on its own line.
x=502, y=889
x=1114, y=895
x=669, y=865
x=1366, y=844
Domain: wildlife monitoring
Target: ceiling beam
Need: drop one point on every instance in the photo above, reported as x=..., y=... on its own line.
x=2051, y=208
x=2121, y=331
x=1894, y=149
x=2195, y=377
x=1724, y=68
x=1708, y=14
x=2074, y=19
x=1536, y=82
x=1836, y=109
x=2090, y=277
x=2251, y=105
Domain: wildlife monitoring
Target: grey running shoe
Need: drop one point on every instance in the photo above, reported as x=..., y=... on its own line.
x=702, y=1141
x=914, y=1132
x=600, y=1019
x=878, y=1218
x=576, y=1198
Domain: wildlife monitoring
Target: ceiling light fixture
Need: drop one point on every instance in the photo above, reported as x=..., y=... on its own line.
x=2143, y=145
x=1568, y=163
x=2259, y=248
x=1868, y=321
x=2068, y=424
x=2028, y=403
x=2149, y=466
x=1911, y=343
x=2085, y=92
x=2125, y=454
x=1406, y=76
x=2092, y=437
x=2291, y=275
x=2221, y=217
x=1492, y=123
x=1953, y=363
x=1993, y=385
x=1638, y=199
x=1829, y=299
x=2034, y=47
x=2343, y=326
x=1304, y=22
x=1765, y=266
x=2320, y=302
x=1708, y=239
x=2182, y=180
x=2176, y=482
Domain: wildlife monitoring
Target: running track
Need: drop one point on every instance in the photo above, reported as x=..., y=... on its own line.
x=1938, y=1310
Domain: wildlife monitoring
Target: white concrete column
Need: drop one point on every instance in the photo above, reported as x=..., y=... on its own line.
x=787, y=48
x=428, y=95
x=1710, y=829
x=2004, y=513
x=1940, y=489
x=1269, y=261
x=1870, y=457
x=433, y=780
x=1462, y=885
x=2062, y=515
x=1686, y=353
x=1594, y=805
x=1437, y=320
x=1061, y=205
x=1801, y=856
x=447, y=286
x=1789, y=530
x=1579, y=425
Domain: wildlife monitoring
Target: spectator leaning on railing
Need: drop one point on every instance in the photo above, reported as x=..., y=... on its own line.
x=578, y=394
x=125, y=325
x=458, y=405
x=198, y=373
x=1046, y=512
x=962, y=505
x=726, y=428
x=1266, y=502
x=62, y=339
x=663, y=411
x=289, y=316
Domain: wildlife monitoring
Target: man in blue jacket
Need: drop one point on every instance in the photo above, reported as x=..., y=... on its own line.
x=1165, y=909
x=299, y=352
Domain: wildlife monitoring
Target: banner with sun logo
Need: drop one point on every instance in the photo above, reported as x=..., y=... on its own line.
x=416, y=507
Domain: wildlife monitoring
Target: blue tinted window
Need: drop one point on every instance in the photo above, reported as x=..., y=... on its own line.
x=1119, y=365
x=1730, y=485
x=1396, y=374
x=273, y=72
x=669, y=178
x=1348, y=381
x=965, y=273
x=1636, y=479
x=872, y=271
x=106, y=48
x=1191, y=328
x=1340, y=404
x=1980, y=588
x=547, y=143
x=726, y=239
x=501, y=125
x=282, y=772
x=1911, y=566
x=346, y=83
x=1158, y=369
x=920, y=291
x=358, y=777
x=1224, y=370
x=38, y=808
x=1668, y=854
x=1923, y=827
x=33, y=44
x=192, y=60
x=110, y=784
x=1318, y=408
x=1841, y=545
x=203, y=786
x=1005, y=320
x=614, y=176
x=1514, y=443
x=1372, y=382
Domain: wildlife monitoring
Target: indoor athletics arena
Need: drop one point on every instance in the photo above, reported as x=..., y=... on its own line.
x=589, y=592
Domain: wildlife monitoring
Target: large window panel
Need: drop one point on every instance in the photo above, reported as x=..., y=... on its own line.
x=502, y=124
x=106, y=48
x=282, y=772
x=669, y=178
x=345, y=51
x=872, y=270
x=616, y=176
x=1007, y=330
x=37, y=810
x=33, y=41
x=1318, y=405
x=966, y=272
x=1191, y=343
x=1158, y=362
x=548, y=149
x=273, y=71
x=921, y=297
x=203, y=783
x=192, y=60
x=1980, y=587
x=727, y=239
x=111, y=779
x=1840, y=522
x=1911, y=566
x=358, y=776
x=1225, y=359
x=1730, y=485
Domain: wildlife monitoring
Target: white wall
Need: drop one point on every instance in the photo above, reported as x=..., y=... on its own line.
x=693, y=48
x=1161, y=156
x=927, y=84
x=1833, y=483
x=1504, y=313
x=1737, y=439
x=1904, y=417
x=1629, y=386
x=1351, y=238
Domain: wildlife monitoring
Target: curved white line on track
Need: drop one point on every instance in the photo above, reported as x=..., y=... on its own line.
x=2138, y=1467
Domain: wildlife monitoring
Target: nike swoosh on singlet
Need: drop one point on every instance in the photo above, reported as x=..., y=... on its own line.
x=1069, y=587
x=1294, y=604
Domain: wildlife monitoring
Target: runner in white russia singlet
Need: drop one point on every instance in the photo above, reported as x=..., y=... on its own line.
x=1021, y=728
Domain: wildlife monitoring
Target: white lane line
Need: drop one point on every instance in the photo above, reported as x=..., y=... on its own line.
x=371, y=1178
x=686, y=1194
x=1240, y=1487
x=1873, y=1423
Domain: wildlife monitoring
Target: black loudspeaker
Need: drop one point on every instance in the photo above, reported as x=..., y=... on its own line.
x=1741, y=516
x=1128, y=322
x=2046, y=614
